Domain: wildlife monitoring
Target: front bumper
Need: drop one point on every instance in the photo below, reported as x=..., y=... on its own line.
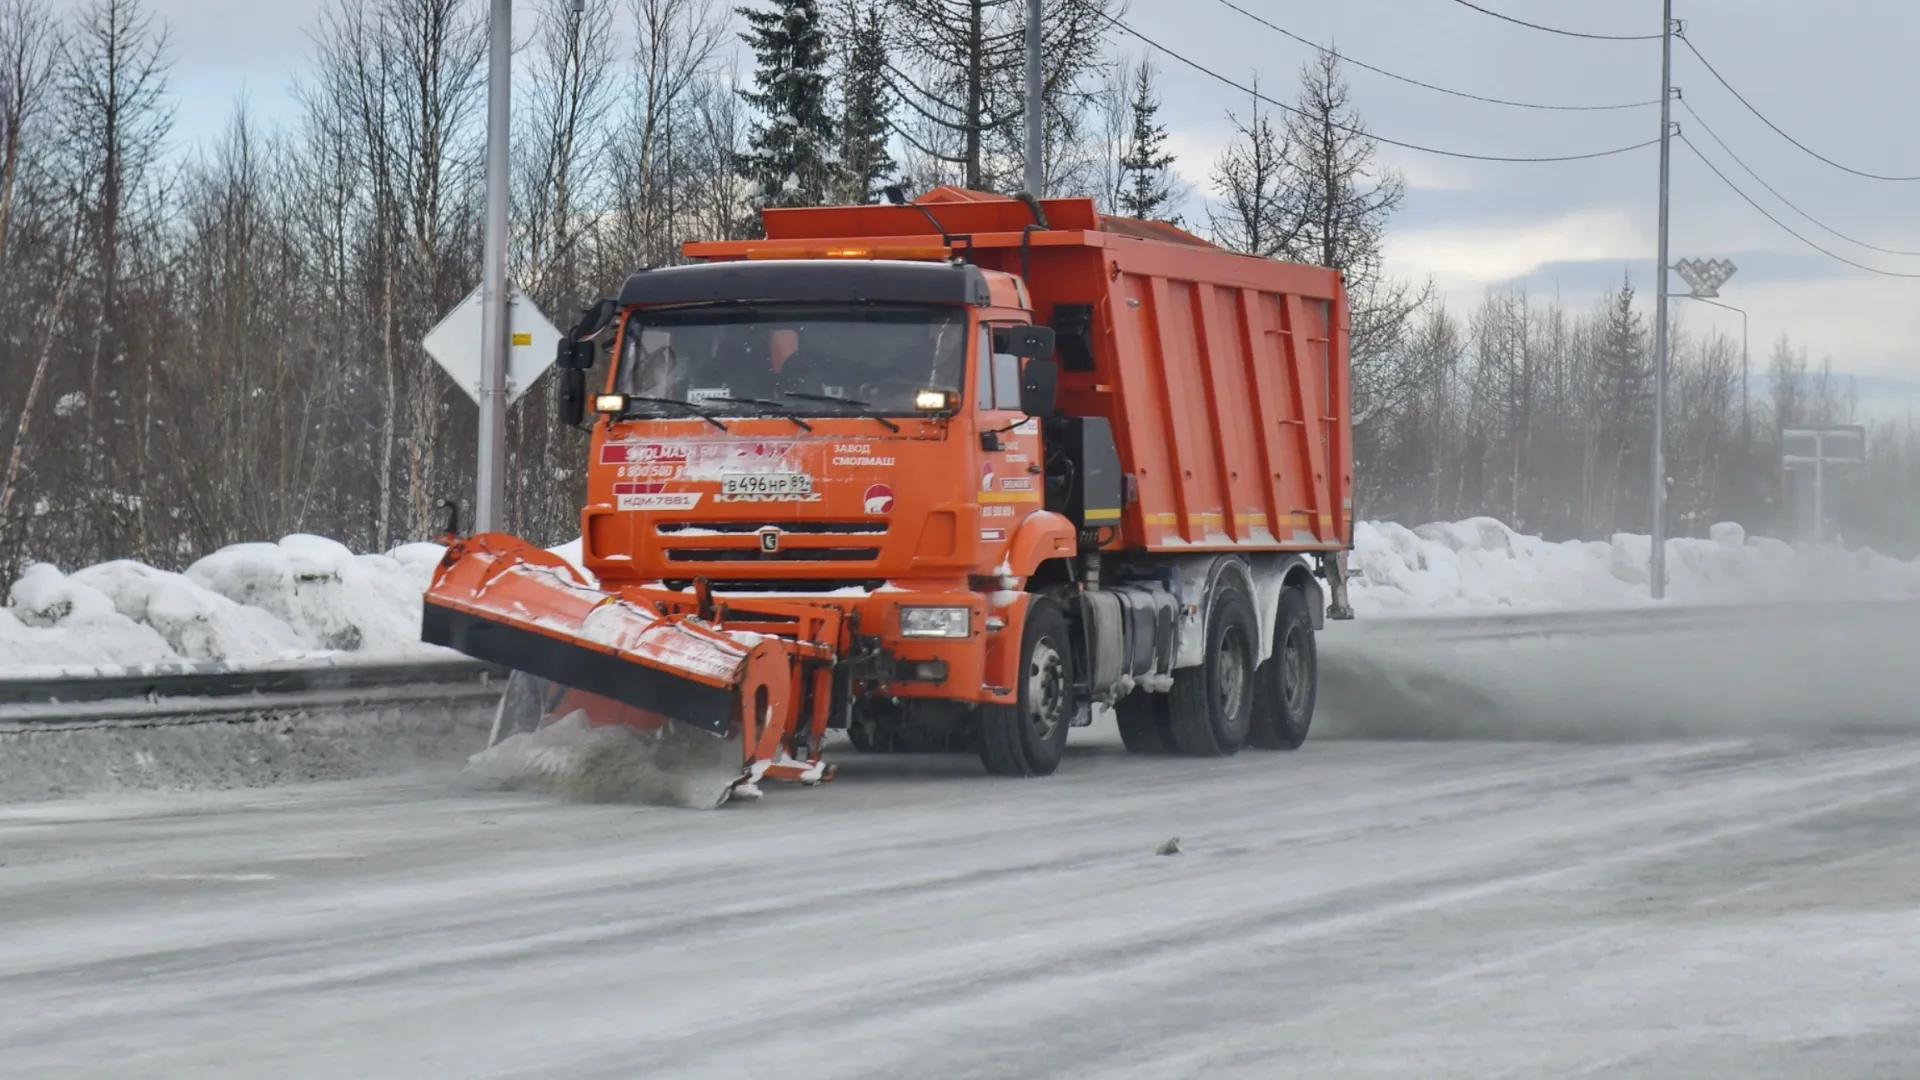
x=873, y=652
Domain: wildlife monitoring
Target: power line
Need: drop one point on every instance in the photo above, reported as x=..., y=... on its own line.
x=1776, y=194
x=1426, y=85
x=1784, y=227
x=1284, y=107
x=1555, y=30
x=1776, y=127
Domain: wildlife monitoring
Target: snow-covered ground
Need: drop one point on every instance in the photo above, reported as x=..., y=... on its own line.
x=1480, y=564
x=1717, y=908
x=310, y=600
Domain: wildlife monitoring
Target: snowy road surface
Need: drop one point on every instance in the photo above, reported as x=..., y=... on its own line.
x=1721, y=907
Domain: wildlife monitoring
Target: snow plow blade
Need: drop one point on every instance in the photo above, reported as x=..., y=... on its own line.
x=696, y=702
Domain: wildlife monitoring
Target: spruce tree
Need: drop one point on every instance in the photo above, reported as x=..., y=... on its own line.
x=1148, y=189
x=866, y=105
x=792, y=159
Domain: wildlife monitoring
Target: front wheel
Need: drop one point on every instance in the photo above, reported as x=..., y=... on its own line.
x=1029, y=737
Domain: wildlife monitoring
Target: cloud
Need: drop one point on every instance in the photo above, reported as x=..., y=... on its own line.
x=1470, y=254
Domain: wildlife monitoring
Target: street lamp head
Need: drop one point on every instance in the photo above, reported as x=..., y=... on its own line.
x=1705, y=276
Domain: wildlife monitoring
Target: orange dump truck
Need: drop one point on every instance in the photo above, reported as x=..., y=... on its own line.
x=946, y=474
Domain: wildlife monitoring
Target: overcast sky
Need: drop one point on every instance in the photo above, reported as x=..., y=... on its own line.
x=1838, y=75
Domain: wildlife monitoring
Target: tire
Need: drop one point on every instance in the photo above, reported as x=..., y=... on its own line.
x=1030, y=737
x=1288, y=682
x=1142, y=719
x=1211, y=705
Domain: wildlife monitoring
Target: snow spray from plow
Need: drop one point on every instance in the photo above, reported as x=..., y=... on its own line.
x=647, y=695
x=1807, y=669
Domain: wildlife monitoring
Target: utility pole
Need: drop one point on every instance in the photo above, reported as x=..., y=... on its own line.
x=490, y=502
x=1036, y=115
x=1657, y=568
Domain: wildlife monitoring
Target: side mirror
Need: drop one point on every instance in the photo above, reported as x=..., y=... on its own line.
x=1039, y=385
x=577, y=348
x=574, y=355
x=1028, y=342
x=573, y=395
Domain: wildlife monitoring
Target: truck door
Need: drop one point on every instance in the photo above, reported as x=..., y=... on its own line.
x=1010, y=477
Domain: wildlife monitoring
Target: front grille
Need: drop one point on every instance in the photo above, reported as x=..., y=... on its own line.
x=793, y=586
x=806, y=554
x=745, y=528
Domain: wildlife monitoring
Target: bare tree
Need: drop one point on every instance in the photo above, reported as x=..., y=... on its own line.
x=63, y=291
x=959, y=72
x=570, y=94
x=677, y=45
x=114, y=76
x=1257, y=212
x=30, y=48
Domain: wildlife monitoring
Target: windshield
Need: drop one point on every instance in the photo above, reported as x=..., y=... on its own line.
x=802, y=357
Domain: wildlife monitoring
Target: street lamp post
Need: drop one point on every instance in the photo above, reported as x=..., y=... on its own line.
x=1657, y=563
x=1704, y=278
x=1746, y=406
x=490, y=502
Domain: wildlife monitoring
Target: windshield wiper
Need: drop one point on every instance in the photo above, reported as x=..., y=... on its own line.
x=775, y=407
x=687, y=405
x=854, y=405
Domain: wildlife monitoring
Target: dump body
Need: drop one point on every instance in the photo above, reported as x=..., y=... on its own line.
x=1225, y=377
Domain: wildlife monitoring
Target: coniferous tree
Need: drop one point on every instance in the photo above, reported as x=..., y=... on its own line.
x=792, y=158
x=1148, y=191
x=1624, y=376
x=866, y=106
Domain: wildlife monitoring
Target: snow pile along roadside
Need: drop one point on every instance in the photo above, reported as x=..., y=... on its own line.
x=1481, y=564
x=305, y=599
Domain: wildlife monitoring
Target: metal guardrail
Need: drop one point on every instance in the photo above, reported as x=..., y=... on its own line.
x=213, y=694
x=210, y=694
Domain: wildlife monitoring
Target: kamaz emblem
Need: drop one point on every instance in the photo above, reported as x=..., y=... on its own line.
x=769, y=540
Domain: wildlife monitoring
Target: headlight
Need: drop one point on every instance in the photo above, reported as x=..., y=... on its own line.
x=936, y=401
x=948, y=622
x=611, y=404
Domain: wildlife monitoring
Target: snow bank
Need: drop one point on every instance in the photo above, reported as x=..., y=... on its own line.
x=1481, y=564
x=307, y=599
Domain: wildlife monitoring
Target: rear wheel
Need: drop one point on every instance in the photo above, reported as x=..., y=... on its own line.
x=1289, y=680
x=1029, y=737
x=1211, y=705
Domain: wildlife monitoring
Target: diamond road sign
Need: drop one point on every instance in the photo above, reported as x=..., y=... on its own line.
x=1705, y=276
x=531, y=342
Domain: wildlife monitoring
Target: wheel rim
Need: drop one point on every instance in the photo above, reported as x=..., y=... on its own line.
x=1233, y=672
x=1293, y=672
x=1046, y=689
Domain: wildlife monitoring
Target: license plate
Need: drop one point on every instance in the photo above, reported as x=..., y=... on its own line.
x=767, y=483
